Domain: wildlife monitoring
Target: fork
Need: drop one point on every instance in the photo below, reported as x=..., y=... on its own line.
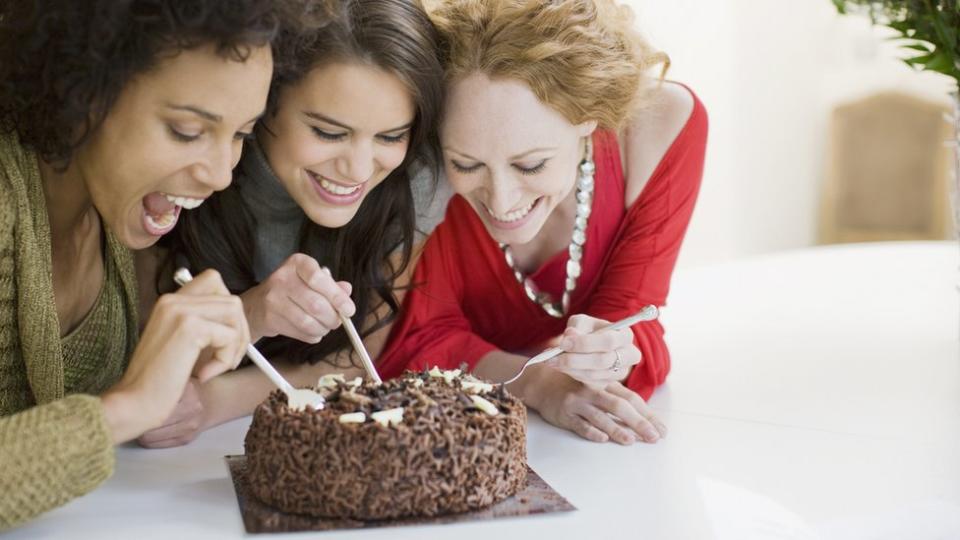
x=648, y=313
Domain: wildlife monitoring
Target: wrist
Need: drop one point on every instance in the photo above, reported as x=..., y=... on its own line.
x=529, y=388
x=249, y=311
x=212, y=403
x=120, y=411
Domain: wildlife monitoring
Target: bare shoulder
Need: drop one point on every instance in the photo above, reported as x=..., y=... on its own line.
x=650, y=132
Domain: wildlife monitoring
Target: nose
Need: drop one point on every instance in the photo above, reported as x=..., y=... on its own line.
x=215, y=169
x=503, y=192
x=357, y=163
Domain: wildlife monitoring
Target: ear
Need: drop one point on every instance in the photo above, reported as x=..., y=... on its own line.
x=587, y=128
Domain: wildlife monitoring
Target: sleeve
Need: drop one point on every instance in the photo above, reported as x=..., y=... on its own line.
x=52, y=453
x=433, y=330
x=644, y=254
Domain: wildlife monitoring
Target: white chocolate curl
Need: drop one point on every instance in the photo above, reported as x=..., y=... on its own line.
x=389, y=417
x=449, y=376
x=485, y=405
x=330, y=380
x=301, y=398
x=476, y=387
x=353, y=418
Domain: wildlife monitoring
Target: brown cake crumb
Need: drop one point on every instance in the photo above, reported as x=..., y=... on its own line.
x=442, y=456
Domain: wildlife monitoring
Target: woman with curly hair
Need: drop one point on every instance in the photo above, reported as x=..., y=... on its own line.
x=576, y=176
x=114, y=116
x=325, y=184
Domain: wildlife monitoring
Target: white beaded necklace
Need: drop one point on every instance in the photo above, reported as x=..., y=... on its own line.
x=578, y=239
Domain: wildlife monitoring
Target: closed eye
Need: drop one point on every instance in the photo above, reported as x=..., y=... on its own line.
x=531, y=170
x=326, y=135
x=181, y=136
x=465, y=168
x=394, y=139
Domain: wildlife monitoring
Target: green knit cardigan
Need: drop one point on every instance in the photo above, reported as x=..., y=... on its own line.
x=53, y=447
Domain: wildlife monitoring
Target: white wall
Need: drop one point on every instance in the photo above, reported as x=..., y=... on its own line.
x=769, y=72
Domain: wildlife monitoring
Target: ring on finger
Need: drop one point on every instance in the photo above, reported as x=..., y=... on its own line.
x=618, y=363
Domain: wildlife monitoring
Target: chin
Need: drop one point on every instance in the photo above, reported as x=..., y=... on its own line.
x=137, y=242
x=333, y=218
x=515, y=237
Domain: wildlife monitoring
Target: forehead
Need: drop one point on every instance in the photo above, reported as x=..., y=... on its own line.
x=235, y=90
x=360, y=95
x=497, y=117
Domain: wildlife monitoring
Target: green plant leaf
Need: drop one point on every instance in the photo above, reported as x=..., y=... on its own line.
x=916, y=46
x=931, y=27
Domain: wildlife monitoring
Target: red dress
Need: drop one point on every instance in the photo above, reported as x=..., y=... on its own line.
x=467, y=303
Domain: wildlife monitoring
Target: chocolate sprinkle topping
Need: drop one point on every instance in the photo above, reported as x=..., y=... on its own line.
x=442, y=458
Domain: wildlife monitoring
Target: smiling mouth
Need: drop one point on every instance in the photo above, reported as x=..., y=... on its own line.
x=335, y=188
x=515, y=215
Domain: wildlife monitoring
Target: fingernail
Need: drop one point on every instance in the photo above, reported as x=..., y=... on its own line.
x=651, y=435
x=566, y=343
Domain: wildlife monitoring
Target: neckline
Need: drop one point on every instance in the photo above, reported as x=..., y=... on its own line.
x=108, y=268
x=602, y=146
x=561, y=256
x=265, y=194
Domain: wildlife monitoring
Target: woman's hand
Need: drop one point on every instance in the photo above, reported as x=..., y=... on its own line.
x=186, y=421
x=599, y=413
x=199, y=331
x=299, y=300
x=595, y=355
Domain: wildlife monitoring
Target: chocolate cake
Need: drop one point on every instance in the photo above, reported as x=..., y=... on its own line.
x=425, y=444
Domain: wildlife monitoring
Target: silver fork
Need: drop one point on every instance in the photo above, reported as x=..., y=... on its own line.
x=648, y=313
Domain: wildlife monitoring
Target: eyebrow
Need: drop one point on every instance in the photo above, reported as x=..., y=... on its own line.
x=216, y=118
x=197, y=111
x=328, y=120
x=513, y=158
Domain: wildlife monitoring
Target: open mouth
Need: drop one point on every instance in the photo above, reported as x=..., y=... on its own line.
x=514, y=218
x=162, y=210
x=336, y=192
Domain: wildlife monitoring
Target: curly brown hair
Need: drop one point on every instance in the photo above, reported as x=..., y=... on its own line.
x=63, y=63
x=580, y=57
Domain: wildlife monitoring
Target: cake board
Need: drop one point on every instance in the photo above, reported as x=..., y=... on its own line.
x=536, y=498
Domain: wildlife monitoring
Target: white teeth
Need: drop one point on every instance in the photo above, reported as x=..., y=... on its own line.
x=184, y=202
x=164, y=221
x=337, y=189
x=512, y=216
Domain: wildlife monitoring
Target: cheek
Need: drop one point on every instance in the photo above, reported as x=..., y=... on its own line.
x=461, y=183
x=391, y=157
x=237, y=153
x=295, y=147
x=300, y=150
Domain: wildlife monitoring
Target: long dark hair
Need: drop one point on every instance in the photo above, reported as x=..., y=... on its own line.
x=398, y=37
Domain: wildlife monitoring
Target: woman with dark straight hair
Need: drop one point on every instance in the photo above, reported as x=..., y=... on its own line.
x=324, y=192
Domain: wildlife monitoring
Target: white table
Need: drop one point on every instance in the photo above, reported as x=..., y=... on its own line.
x=814, y=394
